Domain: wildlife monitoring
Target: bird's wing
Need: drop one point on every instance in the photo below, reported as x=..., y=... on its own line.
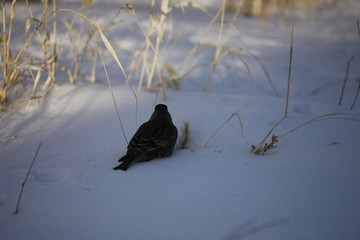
x=151, y=137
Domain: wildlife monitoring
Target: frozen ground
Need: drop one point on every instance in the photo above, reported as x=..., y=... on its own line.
x=307, y=188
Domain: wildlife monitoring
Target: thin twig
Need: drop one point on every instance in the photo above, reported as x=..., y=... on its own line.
x=27, y=175
x=110, y=85
x=289, y=75
x=345, y=79
x=226, y=121
x=331, y=116
x=7, y=139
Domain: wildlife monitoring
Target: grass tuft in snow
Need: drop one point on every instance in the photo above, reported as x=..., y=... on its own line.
x=185, y=136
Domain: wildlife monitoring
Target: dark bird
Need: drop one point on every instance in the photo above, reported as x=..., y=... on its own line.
x=155, y=138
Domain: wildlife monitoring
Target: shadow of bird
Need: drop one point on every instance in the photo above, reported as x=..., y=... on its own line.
x=155, y=138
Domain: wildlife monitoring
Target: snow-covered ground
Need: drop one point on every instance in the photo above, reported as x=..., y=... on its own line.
x=306, y=188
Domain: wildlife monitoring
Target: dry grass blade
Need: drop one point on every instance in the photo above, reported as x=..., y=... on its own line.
x=345, y=79
x=87, y=3
x=190, y=57
x=262, y=147
x=289, y=74
x=219, y=47
x=264, y=69
x=183, y=5
x=111, y=51
x=7, y=139
x=110, y=87
x=331, y=116
x=103, y=37
x=24, y=101
x=27, y=175
x=234, y=51
x=226, y=121
x=154, y=65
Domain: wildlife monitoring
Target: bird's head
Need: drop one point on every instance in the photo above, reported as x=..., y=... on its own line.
x=161, y=107
x=161, y=113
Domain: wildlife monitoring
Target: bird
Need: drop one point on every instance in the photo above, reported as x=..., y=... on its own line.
x=155, y=138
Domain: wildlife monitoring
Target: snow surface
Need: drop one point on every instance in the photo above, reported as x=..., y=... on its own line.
x=306, y=188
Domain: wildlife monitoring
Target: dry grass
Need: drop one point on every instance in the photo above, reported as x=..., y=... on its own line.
x=345, y=79
x=18, y=71
x=22, y=70
x=222, y=48
x=185, y=136
x=155, y=74
x=26, y=77
x=263, y=147
x=237, y=115
x=269, y=8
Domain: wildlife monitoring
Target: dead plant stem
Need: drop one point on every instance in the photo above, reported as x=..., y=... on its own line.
x=110, y=86
x=345, y=79
x=26, y=178
x=289, y=74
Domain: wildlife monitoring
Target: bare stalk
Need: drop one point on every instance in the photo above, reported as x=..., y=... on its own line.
x=219, y=47
x=332, y=116
x=3, y=88
x=26, y=178
x=289, y=75
x=345, y=79
x=110, y=86
x=236, y=114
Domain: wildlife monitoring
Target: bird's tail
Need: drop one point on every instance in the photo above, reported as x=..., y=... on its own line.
x=125, y=164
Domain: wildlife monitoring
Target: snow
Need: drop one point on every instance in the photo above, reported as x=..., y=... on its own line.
x=306, y=188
